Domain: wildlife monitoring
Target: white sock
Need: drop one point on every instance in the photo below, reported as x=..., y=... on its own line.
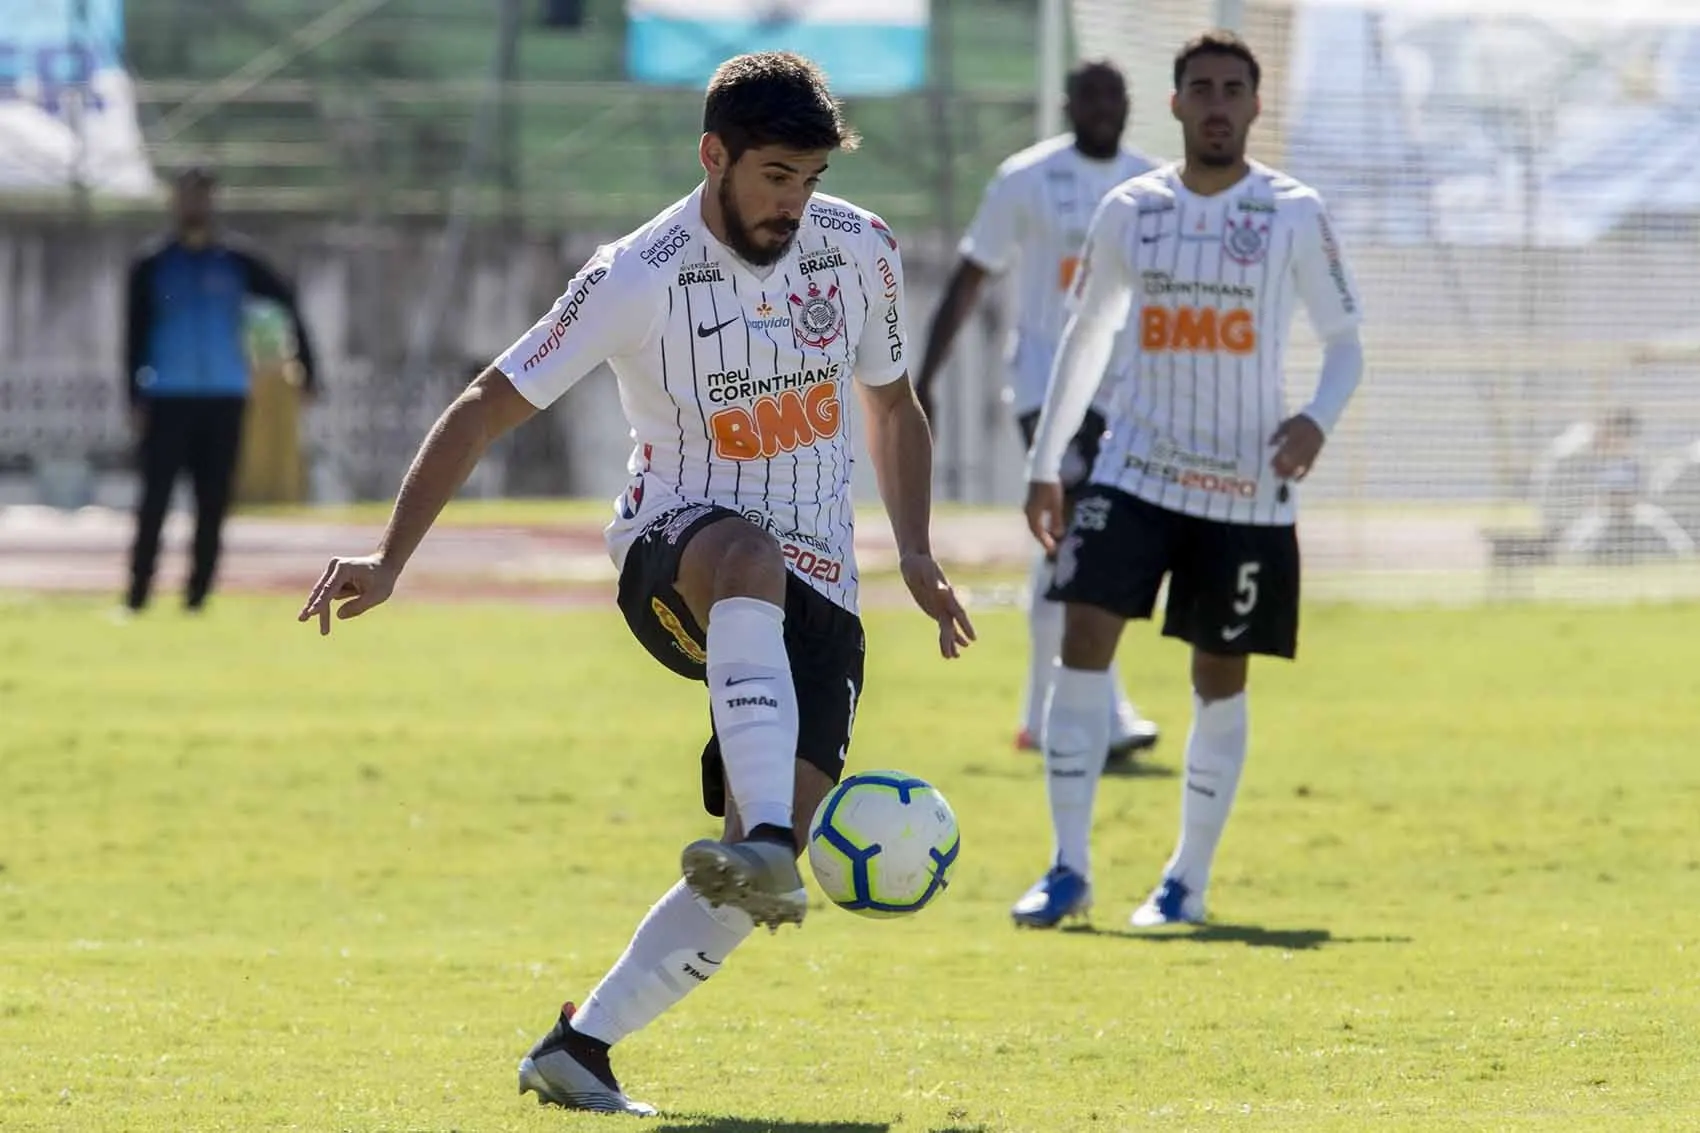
x=754, y=705
x=1215, y=756
x=1044, y=643
x=1077, y=728
x=679, y=945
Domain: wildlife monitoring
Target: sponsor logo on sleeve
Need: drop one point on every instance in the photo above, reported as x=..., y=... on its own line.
x=569, y=315
x=835, y=219
x=665, y=247
x=1336, y=266
x=893, y=328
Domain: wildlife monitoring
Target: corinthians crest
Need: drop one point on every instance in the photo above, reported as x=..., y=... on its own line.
x=817, y=319
x=1246, y=241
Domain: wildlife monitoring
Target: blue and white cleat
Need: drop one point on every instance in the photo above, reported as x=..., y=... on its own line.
x=1171, y=903
x=1060, y=893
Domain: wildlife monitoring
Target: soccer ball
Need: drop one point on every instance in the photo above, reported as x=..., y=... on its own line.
x=883, y=844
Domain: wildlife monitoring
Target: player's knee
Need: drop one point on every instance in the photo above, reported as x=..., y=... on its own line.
x=750, y=565
x=1089, y=637
x=1217, y=676
x=729, y=559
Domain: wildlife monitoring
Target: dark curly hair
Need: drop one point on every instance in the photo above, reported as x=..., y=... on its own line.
x=1217, y=41
x=774, y=98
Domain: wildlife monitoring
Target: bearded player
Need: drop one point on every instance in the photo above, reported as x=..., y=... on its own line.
x=737, y=323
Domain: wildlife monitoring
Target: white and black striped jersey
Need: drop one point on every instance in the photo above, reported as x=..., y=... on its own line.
x=1031, y=225
x=735, y=380
x=1191, y=300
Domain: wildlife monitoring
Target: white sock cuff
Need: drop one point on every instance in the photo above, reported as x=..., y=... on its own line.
x=1220, y=717
x=746, y=631
x=742, y=606
x=1081, y=689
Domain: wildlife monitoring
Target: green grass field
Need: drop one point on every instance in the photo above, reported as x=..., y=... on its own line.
x=252, y=879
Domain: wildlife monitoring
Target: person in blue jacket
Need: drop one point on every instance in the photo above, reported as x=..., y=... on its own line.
x=187, y=374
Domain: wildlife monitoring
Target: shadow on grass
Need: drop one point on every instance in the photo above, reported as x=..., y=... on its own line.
x=708, y=1123
x=1033, y=768
x=1138, y=769
x=1252, y=936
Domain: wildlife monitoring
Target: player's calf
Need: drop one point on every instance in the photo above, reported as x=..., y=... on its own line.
x=732, y=577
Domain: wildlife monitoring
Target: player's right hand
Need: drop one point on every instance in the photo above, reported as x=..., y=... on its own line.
x=359, y=584
x=1045, y=514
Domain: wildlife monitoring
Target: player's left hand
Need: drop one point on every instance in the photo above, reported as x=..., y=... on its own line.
x=933, y=593
x=1297, y=441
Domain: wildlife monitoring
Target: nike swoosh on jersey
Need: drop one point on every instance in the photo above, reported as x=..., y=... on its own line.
x=706, y=332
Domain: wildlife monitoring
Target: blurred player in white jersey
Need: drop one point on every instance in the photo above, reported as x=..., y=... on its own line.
x=734, y=322
x=1031, y=225
x=1184, y=299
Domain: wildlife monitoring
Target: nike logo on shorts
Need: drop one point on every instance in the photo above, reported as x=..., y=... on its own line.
x=1229, y=634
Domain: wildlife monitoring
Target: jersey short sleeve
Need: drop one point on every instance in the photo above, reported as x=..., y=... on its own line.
x=1324, y=280
x=605, y=311
x=993, y=239
x=882, y=354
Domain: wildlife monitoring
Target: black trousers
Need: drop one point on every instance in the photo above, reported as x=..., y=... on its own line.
x=202, y=435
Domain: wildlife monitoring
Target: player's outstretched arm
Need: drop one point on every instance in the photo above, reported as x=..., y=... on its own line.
x=901, y=446
x=488, y=408
x=960, y=295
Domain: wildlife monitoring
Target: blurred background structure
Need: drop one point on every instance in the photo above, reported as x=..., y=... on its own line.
x=1518, y=182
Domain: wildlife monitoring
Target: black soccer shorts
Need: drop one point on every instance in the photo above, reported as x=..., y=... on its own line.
x=823, y=641
x=1082, y=450
x=1233, y=587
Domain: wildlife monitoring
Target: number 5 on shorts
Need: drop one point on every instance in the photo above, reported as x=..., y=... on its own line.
x=1246, y=592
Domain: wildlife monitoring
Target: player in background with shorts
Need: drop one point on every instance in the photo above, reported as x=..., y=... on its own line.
x=1031, y=225
x=1185, y=297
x=735, y=322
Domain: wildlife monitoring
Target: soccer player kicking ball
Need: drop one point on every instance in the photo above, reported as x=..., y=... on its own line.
x=1203, y=261
x=1032, y=221
x=733, y=322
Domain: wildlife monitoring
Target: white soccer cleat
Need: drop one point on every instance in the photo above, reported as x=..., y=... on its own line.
x=1171, y=903
x=1131, y=737
x=758, y=877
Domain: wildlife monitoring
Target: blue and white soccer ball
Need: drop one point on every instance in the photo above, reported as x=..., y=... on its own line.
x=883, y=844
